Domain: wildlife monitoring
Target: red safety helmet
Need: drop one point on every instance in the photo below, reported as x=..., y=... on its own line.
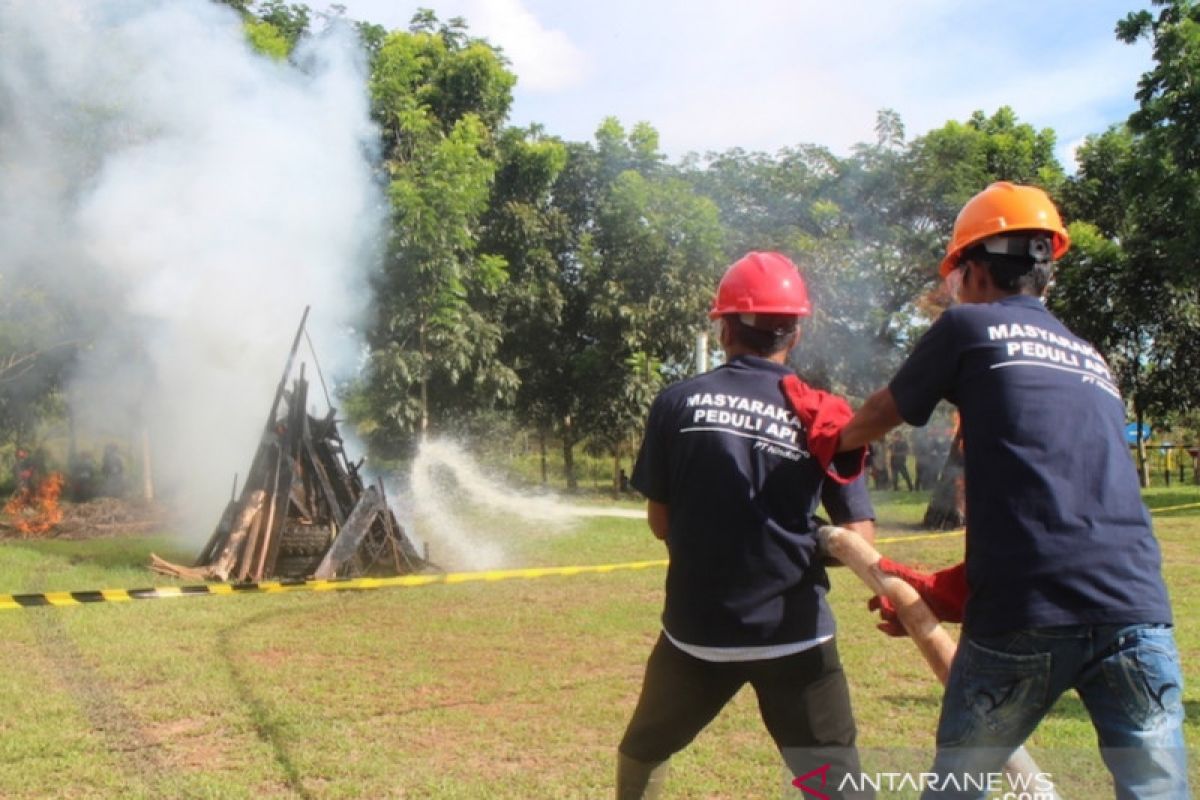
x=1004, y=207
x=762, y=283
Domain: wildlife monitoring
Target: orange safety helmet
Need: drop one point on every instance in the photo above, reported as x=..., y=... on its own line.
x=762, y=283
x=1004, y=207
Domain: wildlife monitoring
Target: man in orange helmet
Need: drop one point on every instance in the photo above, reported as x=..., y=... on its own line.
x=730, y=465
x=1061, y=587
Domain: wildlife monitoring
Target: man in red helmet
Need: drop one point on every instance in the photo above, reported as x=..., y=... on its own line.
x=1061, y=587
x=730, y=464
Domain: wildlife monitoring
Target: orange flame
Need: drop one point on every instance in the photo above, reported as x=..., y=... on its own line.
x=36, y=509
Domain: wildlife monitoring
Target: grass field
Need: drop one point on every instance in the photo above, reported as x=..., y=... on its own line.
x=517, y=689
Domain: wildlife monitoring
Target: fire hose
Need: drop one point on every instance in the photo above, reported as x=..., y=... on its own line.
x=923, y=627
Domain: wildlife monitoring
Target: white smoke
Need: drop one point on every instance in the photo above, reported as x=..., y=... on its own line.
x=187, y=198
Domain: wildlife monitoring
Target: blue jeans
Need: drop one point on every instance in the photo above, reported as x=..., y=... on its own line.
x=1127, y=676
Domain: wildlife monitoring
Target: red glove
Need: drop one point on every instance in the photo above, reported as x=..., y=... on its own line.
x=945, y=592
x=891, y=624
x=823, y=416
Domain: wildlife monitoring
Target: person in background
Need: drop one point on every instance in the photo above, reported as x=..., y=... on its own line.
x=1061, y=587
x=730, y=469
x=924, y=453
x=84, y=477
x=112, y=472
x=877, y=465
x=899, y=463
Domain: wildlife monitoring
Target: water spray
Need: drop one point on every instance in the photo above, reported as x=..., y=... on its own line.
x=444, y=476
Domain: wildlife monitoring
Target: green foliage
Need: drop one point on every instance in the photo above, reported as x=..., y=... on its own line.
x=1130, y=283
x=273, y=27
x=869, y=230
x=437, y=96
x=561, y=283
x=524, y=226
x=1096, y=294
x=765, y=202
x=1169, y=96
x=265, y=38
x=1166, y=127
x=650, y=258
x=38, y=345
x=290, y=19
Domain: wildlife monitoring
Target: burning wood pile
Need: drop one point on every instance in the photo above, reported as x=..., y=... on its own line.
x=303, y=511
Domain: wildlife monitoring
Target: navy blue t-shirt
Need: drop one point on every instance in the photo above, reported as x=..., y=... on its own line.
x=727, y=455
x=1056, y=530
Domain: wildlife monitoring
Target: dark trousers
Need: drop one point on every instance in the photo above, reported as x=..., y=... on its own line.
x=803, y=699
x=900, y=470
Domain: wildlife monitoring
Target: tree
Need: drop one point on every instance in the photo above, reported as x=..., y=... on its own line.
x=650, y=266
x=438, y=95
x=1116, y=289
x=1167, y=127
x=880, y=221
x=765, y=202
x=273, y=27
x=642, y=254
x=523, y=226
x=1129, y=284
x=292, y=20
x=38, y=345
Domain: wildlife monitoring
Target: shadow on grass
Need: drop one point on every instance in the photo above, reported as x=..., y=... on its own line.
x=268, y=729
x=912, y=701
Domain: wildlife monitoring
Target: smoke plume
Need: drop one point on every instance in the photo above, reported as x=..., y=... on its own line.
x=184, y=199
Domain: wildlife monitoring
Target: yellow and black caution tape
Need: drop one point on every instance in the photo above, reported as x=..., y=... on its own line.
x=35, y=600
x=11, y=601
x=918, y=537
x=41, y=599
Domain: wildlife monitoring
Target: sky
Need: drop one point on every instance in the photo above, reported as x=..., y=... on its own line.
x=767, y=74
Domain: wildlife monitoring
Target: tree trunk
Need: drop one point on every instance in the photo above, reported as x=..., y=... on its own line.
x=542, y=454
x=147, y=475
x=72, y=442
x=424, y=382
x=1143, y=463
x=568, y=444
x=616, y=471
x=948, y=503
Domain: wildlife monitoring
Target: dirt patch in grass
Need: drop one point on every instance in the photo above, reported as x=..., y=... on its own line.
x=189, y=743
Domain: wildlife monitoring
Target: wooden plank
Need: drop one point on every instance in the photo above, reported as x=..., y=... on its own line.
x=246, y=560
x=335, y=506
x=219, y=535
x=234, y=547
x=273, y=532
x=358, y=523
x=259, y=556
